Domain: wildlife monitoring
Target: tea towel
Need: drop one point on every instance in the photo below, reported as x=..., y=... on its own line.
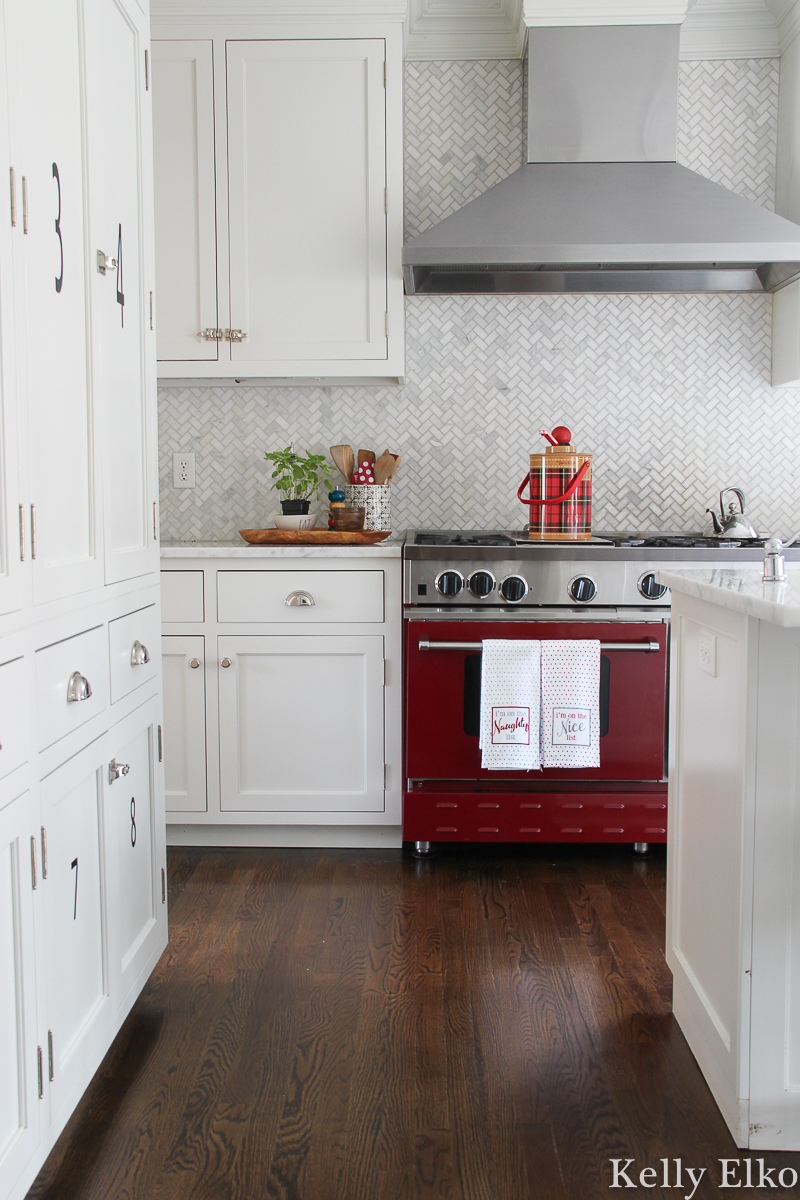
x=570, y=711
x=510, y=689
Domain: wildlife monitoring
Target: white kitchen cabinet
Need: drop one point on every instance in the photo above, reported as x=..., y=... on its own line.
x=185, y=200
x=19, y=1086
x=305, y=224
x=10, y=543
x=73, y=895
x=133, y=827
x=184, y=674
x=298, y=727
x=301, y=724
x=118, y=151
x=63, y=534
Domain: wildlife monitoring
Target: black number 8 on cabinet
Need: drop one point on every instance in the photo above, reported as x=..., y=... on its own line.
x=133, y=820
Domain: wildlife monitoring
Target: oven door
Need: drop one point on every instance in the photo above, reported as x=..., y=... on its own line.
x=442, y=700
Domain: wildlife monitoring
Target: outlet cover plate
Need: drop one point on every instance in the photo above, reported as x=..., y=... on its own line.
x=183, y=470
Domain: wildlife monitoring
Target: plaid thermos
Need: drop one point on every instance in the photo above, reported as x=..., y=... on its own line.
x=560, y=495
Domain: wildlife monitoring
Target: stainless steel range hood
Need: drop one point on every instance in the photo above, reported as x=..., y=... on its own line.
x=602, y=205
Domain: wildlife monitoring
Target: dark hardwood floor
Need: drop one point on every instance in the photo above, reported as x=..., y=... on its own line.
x=493, y=1024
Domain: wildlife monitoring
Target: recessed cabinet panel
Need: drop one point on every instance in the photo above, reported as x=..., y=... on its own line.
x=14, y=714
x=114, y=76
x=19, y=1104
x=56, y=258
x=182, y=596
x=186, y=221
x=306, y=178
x=73, y=900
x=184, y=671
x=10, y=413
x=301, y=724
x=131, y=810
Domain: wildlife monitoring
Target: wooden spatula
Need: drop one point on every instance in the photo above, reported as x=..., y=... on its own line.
x=366, y=456
x=349, y=463
x=339, y=454
x=383, y=467
x=395, y=465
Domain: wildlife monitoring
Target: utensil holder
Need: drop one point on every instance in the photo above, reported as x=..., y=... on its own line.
x=375, y=498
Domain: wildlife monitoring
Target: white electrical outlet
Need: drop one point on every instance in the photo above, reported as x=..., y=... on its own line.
x=708, y=653
x=183, y=470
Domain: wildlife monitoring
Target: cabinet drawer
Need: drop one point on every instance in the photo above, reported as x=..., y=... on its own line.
x=256, y=596
x=182, y=596
x=55, y=665
x=13, y=716
x=127, y=669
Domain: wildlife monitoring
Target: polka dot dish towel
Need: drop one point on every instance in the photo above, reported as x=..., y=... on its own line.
x=571, y=703
x=510, y=688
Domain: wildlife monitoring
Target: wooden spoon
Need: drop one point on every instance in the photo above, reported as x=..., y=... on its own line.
x=338, y=456
x=349, y=463
x=393, y=471
x=366, y=456
x=383, y=467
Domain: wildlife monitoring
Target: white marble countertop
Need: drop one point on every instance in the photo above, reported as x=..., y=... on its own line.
x=391, y=548
x=743, y=590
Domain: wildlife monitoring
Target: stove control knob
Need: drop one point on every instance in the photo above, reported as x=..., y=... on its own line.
x=449, y=583
x=650, y=589
x=514, y=588
x=582, y=589
x=482, y=584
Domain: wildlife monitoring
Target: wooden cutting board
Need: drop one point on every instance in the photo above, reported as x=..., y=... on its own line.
x=314, y=537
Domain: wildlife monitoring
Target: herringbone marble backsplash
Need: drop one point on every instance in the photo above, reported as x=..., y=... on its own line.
x=670, y=393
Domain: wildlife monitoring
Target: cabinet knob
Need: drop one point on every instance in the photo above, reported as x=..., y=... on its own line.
x=78, y=688
x=139, y=654
x=194, y=663
x=299, y=600
x=116, y=769
x=226, y=662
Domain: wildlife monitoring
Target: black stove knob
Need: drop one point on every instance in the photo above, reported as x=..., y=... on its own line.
x=582, y=589
x=513, y=589
x=649, y=588
x=449, y=583
x=482, y=584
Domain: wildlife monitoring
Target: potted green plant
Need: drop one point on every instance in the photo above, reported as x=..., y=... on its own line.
x=297, y=478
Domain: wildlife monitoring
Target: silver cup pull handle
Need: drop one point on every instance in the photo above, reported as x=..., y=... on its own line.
x=299, y=600
x=78, y=688
x=139, y=654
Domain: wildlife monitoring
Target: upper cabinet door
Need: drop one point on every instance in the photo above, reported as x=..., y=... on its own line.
x=186, y=217
x=307, y=173
x=119, y=141
x=53, y=211
x=11, y=545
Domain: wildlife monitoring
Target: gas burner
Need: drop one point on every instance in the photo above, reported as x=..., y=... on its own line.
x=683, y=541
x=463, y=539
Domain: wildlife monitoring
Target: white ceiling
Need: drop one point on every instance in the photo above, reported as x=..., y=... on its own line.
x=482, y=29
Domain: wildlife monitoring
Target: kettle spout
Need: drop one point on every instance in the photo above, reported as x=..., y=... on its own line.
x=715, y=519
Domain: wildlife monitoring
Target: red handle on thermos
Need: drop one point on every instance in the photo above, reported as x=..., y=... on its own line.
x=568, y=494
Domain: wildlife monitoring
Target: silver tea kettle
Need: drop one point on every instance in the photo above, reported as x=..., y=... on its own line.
x=731, y=524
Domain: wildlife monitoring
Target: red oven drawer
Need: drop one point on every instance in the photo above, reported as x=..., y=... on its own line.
x=638, y=815
x=443, y=689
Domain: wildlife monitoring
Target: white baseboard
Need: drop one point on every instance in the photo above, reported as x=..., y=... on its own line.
x=335, y=837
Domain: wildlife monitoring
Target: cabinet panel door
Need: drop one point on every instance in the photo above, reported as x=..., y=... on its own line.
x=10, y=493
x=134, y=816
x=58, y=385
x=307, y=172
x=301, y=724
x=184, y=723
x=185, y=196
x=19, y=1102
x=73, y=895
x=117, y=137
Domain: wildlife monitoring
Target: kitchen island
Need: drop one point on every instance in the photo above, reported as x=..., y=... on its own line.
x=733, y=891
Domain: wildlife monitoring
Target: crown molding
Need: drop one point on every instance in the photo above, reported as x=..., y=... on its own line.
x=729, y=29
x=604, y=12
x=787, y=16
x=453, y=29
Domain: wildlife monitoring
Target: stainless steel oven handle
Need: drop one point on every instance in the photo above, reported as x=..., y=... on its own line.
x=647, y=647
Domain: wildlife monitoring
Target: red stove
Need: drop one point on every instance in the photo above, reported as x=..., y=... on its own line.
x=462, y=587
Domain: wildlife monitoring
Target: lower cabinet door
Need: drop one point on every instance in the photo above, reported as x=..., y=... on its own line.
x=184, y=666
x=76, y=975
x=19, y=1087
x=133, y=811
x=301, y=724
